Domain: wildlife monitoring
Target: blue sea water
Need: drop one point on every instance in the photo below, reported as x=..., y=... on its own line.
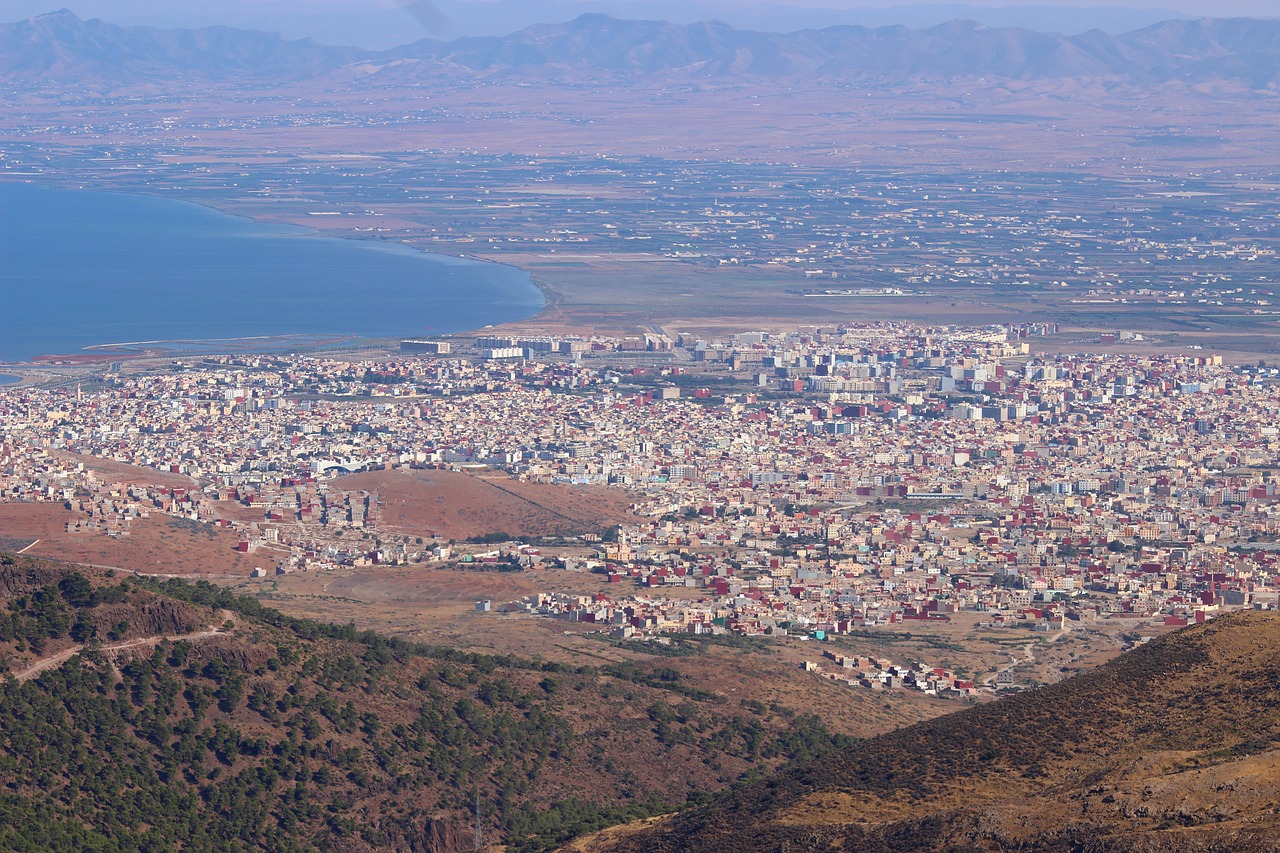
x=82, y=268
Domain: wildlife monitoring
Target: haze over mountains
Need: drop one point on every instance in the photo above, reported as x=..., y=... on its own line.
x=59, y=47
x=154, y=715
x=383, y=23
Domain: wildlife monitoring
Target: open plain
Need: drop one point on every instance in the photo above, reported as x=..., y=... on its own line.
x=706, y=203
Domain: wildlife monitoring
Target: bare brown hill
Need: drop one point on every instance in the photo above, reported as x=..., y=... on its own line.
x=1175, y=746
x=122, y=473
x=157, y=545
x=454, y=505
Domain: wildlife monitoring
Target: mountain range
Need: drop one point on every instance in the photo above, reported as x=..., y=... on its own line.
x=60, y=47
x=380, y=24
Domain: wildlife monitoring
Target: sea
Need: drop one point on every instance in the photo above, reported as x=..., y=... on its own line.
x=86, y=268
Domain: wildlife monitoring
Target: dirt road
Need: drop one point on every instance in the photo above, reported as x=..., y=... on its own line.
x=54, y=661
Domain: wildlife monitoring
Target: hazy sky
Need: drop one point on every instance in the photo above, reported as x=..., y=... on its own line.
x=1204, y=8
x=385, y=23
x=1207, y=8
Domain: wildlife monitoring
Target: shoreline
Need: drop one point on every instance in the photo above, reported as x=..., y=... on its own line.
x=129, y=350
x=550, y=297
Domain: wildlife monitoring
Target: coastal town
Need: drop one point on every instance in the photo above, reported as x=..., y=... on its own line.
x=804, y=484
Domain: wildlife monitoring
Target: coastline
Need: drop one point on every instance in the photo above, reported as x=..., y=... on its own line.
x=551, y=298
x=520, y=282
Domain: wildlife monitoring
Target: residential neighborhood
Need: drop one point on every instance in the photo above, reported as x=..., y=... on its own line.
x=803, y=484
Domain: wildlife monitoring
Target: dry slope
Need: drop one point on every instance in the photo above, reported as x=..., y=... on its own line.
x=1170, y=747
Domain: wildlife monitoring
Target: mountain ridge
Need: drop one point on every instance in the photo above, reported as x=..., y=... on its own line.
x=59, y=47
x=1174, y=746
x=59, y=44
x=139, y=714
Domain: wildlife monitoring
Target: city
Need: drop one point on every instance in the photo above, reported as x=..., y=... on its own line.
x=622, y=432
x=807, y=484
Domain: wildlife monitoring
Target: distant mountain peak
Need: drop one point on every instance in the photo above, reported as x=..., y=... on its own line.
x=595, y=46
x=59, y=21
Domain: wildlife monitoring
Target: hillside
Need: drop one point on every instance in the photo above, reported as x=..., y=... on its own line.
x=1174, y=746
x=60, y=47
x=162, y=715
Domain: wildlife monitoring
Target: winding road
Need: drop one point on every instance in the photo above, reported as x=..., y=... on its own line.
x=56, y=660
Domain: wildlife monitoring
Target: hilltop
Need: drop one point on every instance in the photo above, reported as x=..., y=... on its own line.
x=1170, y=747
x=142, y=714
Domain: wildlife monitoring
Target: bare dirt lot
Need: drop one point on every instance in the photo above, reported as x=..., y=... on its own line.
x=157, y=545
x=453, y=505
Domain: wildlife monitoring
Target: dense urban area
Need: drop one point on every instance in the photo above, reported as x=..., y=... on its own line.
x=805, y=484
x=874, y=443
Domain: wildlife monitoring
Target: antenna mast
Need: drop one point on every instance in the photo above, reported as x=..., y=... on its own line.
x=479, y=837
